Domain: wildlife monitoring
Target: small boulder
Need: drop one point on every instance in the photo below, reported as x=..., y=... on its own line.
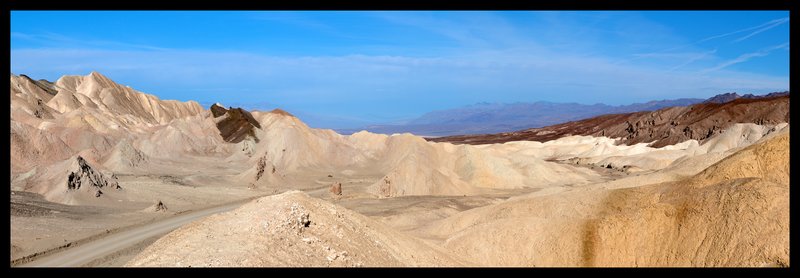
x=336, y=189
x=160, y=206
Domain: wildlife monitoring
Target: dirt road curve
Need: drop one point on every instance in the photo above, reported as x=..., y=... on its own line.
x=85, y=253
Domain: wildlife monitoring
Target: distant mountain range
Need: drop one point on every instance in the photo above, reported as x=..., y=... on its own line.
x=484, y=118
x=727, y=97
x=662, y=127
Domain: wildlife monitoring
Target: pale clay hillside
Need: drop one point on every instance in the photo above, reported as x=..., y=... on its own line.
x=161, y=183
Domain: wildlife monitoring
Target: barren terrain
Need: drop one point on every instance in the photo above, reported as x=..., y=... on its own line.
x=104, y=175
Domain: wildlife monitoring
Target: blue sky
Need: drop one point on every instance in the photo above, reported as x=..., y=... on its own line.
x=339, y=69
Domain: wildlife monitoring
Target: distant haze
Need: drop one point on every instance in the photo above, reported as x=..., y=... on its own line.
x=495, y=117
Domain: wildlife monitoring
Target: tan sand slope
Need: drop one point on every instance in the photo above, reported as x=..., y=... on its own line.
x=33, y=147
x=424, y=168
x=86, y=112
x=97, y=91
x=116, y=128
x=643, y=157
x=290, y=229
x=735, y=213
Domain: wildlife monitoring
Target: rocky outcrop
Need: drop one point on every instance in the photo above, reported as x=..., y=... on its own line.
x=160, y=206
x=85, y=176
x=261, y=166
x=385, y=187
x=264, y=173
x=662, y=127
x=728, y=97
x=217, y=110
x=47, y=86
x=336, y=189
x=236, y=124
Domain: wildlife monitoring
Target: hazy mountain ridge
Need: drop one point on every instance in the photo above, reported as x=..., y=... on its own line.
x=727, y=97
x=500, y=117
x=660, y=128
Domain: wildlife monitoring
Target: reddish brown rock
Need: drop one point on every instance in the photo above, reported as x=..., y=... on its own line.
x=336, y=189
x=218, y=110
x=237, y=125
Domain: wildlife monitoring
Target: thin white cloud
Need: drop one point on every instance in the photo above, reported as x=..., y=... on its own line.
x=49, y=38
x=758, y=29
x=693, y=59
x=477, y=30
x=774, y=23
x=671, y=55
x=770, y=24
x=447, y=28
x=292, y=18
x=746, y=57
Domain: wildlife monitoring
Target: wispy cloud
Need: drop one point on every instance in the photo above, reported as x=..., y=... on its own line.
x=671, y=55
x=763, y=27
x=468, y=29
x=746, y=57
x=295, y=19
x=693, y=59
x=304, y=21
x=54, y=39
x=769, y=25
x=758, y=29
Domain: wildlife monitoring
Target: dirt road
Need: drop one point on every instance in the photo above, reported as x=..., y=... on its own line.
x=85, y=253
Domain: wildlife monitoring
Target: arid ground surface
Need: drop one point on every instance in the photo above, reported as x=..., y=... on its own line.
x=104, y=175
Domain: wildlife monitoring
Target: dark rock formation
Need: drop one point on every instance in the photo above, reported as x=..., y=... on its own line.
x=45, y=85
x=217, y=110
x=86, y=176
x=262, y=164
x=237, y=124
x=161, y=206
